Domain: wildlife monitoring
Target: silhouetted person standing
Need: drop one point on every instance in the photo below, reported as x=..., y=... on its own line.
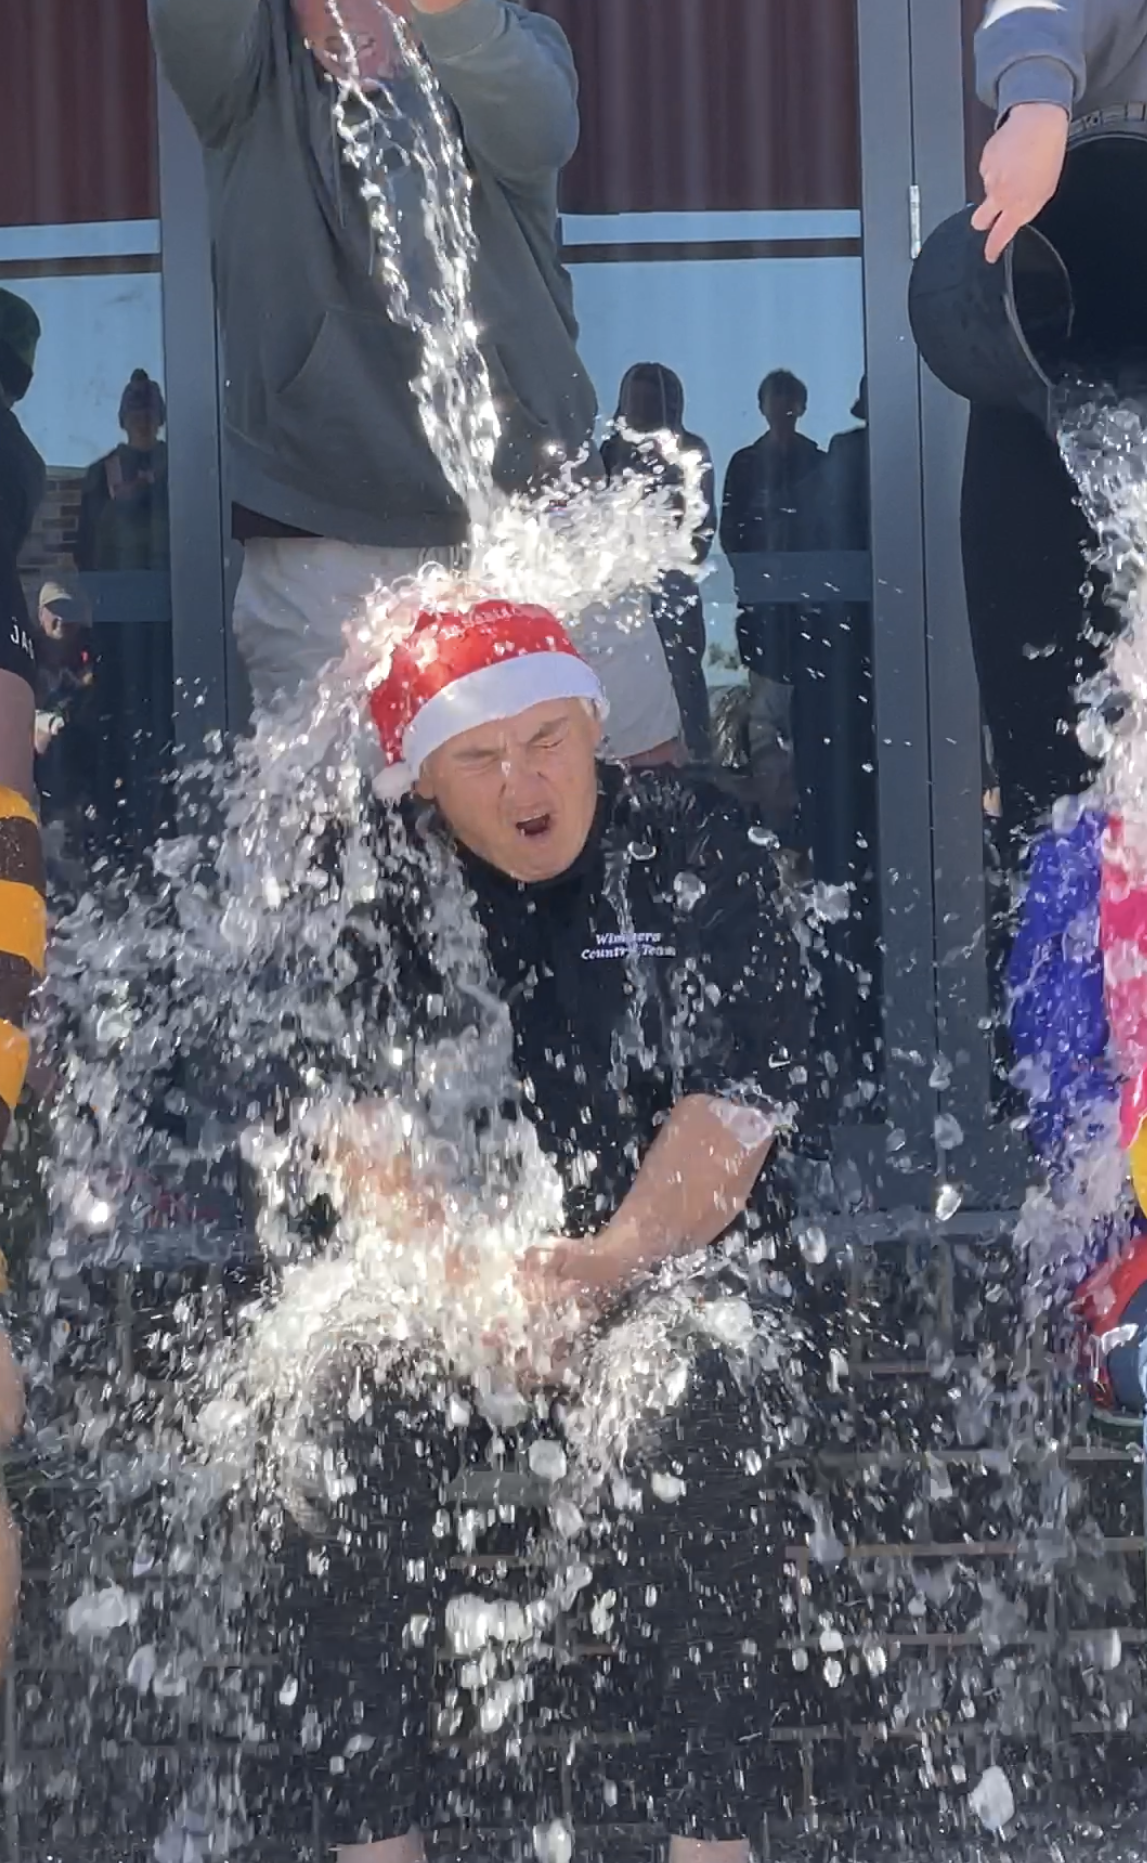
x=768, y=507
x=123, y=507
x=650, y=411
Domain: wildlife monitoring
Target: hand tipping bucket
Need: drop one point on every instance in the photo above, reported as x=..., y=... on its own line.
x=1068, y=300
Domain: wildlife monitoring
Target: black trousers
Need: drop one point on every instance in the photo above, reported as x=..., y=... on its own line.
x=1038, y=619
x=653, y=1674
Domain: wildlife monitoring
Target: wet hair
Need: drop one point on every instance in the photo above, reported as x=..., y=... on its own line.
x=783, y=382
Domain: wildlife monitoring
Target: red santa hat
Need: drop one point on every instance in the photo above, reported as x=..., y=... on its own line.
x=455, y=671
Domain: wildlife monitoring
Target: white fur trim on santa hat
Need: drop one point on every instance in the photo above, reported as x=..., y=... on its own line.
x=503, y=690
x=391, y=784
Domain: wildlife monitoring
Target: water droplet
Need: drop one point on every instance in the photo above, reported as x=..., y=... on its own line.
x=689, y=891
x=948, y=1131
x=567, y=1519
x=948, y=1200
x=876, y=1658
x=141, y=1669
x=667, y=1487
x=553, y=1843
x=813, y=1242
x=992, y=1799
x=830, y=904
x=547, y=1461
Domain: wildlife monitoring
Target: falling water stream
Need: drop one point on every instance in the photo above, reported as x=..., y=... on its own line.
x=186, y=1121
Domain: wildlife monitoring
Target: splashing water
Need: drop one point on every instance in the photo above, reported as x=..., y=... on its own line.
x=211, y=1043
x=1103, y=441
x=213, y=1048
x=398, y=138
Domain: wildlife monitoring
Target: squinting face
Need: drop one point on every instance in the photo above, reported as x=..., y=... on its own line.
x=521, y=793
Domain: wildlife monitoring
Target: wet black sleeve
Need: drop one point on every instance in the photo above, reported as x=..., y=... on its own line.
x=745, y=1024
x=17, y=651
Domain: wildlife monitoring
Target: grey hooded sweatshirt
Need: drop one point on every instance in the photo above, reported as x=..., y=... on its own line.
x=1084, y=54
x=322, y=429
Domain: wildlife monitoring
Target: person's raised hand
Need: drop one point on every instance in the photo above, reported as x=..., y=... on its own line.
x=1020, y=168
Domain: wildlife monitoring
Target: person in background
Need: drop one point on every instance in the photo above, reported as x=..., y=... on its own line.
x=23, y=909
x=1038, y=618
x=768, y=509
x=834, y=744
x=124, y=715
x=651, y=409
x=336, y=487
x=123, y=521
x=67, y=728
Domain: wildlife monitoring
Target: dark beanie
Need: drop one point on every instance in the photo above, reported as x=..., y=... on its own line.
x=142, y=396
x=19, y=335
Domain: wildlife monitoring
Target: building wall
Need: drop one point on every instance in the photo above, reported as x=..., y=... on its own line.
x=77, y=113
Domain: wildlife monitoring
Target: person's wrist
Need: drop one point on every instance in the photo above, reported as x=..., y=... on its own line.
x=1047, y=109
x=620, y=1257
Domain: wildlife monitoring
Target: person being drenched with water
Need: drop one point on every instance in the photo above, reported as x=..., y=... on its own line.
x=631, y=936
x=337, y=489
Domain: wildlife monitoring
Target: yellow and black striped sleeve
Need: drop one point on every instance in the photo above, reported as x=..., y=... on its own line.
x=23, y=936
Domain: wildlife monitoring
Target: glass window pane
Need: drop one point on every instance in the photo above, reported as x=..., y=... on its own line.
x=80, y=244
x=718, y=236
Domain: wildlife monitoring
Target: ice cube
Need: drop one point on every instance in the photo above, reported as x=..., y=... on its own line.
x=992, y=1799
x=547, y=1461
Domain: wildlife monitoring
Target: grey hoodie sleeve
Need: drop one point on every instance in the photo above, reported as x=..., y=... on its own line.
x=512, y=79
x=211, y=52
x=1032, y=51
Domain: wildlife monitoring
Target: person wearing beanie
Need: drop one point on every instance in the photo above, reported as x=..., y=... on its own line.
x=632, y=930
x=337, y=490
x=123, y=522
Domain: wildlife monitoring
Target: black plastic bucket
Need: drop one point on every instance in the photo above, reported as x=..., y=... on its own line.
x=1068, y=299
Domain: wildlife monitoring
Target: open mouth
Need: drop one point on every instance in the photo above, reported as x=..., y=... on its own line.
x=536, y=826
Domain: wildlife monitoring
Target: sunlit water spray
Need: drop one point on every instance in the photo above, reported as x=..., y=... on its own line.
x=211, y=1013
x=222, y=988
x=219, y=985
x=1103, y=440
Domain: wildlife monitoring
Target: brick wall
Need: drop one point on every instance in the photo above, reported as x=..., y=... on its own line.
x=49, y=549
x=974, y=1596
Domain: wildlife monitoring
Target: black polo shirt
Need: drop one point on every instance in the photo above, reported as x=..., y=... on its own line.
x=660, y=965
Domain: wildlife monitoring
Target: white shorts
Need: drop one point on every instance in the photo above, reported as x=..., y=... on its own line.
x=622, y=644
x=296, y=597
